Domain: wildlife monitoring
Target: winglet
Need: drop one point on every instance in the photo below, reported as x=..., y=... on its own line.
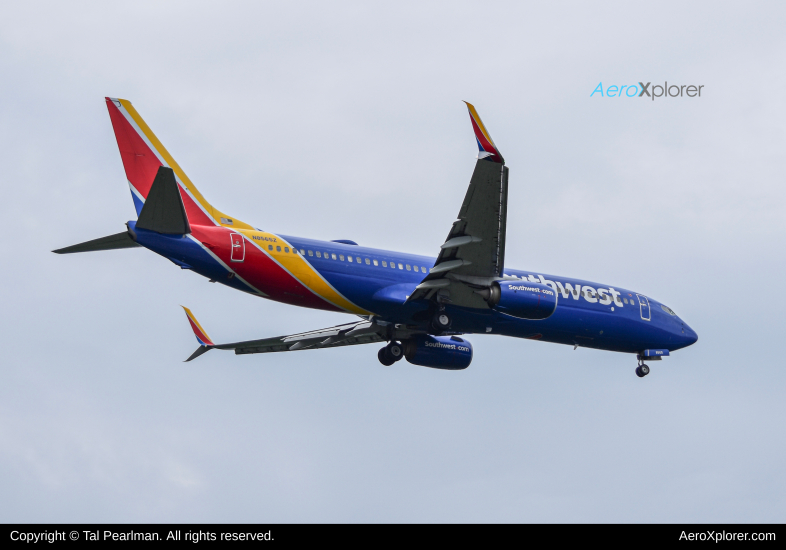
x=488, y=150
x=205, y=343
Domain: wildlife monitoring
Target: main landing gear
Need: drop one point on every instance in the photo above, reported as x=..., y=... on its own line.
x=390, y=354
x=441, y=322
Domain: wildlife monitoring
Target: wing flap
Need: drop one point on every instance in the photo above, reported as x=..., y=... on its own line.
x=276, y=345
x=474, y=250
x=348, y=334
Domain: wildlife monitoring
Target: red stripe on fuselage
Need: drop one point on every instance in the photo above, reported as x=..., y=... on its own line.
x=141, y=164
x=260, y=270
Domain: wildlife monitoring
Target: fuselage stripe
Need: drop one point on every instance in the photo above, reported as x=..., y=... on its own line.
x=347, y=304
x=225, y=266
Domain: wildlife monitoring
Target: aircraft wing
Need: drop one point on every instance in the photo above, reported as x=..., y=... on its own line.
x=349, y=334
x=473, y=254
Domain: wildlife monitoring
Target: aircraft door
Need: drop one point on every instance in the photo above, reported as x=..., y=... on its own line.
x=238, y=247
x=644, y=306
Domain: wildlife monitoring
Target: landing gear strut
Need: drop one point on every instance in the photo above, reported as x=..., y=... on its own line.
x=390, y=354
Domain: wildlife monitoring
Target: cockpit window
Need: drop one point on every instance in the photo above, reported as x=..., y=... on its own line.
x=667, y=310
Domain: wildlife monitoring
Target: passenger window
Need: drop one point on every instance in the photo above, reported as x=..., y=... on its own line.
x=333, y=256
x=349, y=258
x=392, y=265
x=278, y=249
x=368, y=262
x=409, y=268
x=376, y=262
x=423, y=270
x=270, y=247
x=400, y=266
x=384, y=263
x=286, y=249
x=310, y=253
x=302, y=252
x=319, y=255
x=341, y=257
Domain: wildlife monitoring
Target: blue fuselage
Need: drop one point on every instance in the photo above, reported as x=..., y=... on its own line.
x=588, y=314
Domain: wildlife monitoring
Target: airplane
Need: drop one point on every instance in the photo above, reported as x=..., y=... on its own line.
x=421, y=307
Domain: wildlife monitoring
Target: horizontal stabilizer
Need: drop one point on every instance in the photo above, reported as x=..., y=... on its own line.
x=163, y=211
x=112, y=242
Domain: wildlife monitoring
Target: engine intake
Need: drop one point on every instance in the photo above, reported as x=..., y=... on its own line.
x=438, y=352
x=522, y=299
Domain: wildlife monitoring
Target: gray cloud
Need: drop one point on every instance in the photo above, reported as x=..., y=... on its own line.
x=345, y=121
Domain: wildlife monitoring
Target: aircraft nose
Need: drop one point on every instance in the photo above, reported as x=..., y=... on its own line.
x=690, y=335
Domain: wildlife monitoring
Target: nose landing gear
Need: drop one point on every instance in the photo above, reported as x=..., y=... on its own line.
x=390, y=354
x=642, y=370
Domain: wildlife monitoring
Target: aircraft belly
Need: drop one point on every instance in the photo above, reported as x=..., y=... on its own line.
x=586, y=328
x=189, y=255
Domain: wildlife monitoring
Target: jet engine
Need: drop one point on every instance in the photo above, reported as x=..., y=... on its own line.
x=438, y=352
x=522, y=299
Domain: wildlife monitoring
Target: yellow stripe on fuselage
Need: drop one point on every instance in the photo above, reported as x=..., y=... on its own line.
x=161, y=150
x=303, y=271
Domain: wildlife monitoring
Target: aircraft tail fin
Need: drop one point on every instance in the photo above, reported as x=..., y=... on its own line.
x=205, y=343
x=142, y=154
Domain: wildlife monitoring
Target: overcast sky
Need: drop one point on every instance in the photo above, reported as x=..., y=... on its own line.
x=345, y=121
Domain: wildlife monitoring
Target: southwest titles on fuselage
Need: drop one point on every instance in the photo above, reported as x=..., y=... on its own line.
x=603, y=296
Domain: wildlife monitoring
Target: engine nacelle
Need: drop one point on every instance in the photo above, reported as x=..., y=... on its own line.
x=438, y=352
x=522, y=299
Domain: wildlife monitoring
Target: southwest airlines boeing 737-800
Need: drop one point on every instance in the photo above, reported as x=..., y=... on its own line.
x=421, y=306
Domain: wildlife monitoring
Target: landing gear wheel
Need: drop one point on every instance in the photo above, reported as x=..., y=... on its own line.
x=384, y=357
x=441, y=322
x=642, y=370
x=394, y=351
